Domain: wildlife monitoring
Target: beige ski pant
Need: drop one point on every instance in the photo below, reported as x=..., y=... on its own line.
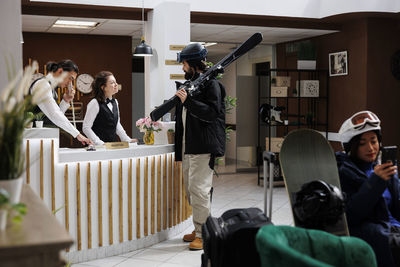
x=198, y=177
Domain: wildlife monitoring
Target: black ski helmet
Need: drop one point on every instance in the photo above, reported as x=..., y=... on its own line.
x=318, y=204
x=192, y=53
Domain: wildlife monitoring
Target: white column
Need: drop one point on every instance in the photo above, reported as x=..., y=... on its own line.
x=167, y=24
x=10, y=42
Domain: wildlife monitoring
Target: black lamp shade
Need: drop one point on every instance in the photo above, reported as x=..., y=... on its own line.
x=143, y=50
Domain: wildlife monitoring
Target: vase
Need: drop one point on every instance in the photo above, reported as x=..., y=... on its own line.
x=171, y=137
x=3, y=219
x=39, y=124
x=148, y=138
x=13, y=187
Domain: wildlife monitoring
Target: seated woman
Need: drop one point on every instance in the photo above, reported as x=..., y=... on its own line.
x=102, y=119
x=372, y=189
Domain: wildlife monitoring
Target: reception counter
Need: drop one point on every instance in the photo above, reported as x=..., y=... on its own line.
x=110, y=201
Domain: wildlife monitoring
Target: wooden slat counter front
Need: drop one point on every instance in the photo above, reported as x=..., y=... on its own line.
x=38, y=240
x=110, y=201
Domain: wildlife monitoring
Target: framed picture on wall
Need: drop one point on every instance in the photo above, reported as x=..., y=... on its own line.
x=338, y=63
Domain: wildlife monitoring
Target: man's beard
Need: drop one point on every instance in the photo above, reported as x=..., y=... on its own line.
x=189, y=74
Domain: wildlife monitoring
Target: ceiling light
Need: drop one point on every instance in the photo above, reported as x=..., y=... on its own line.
x=209, y=44
x=205, y=44
x=75, y=24
x=143, y=49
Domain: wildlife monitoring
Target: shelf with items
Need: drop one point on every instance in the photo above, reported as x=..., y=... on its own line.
x=294, y=99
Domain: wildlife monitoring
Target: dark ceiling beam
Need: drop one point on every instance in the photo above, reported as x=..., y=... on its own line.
x=262, y=21
x=108, y=12
x=82, y=11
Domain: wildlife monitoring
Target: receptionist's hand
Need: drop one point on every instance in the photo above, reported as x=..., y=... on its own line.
x=69, y=95
x=85, y=141
x=133, y=140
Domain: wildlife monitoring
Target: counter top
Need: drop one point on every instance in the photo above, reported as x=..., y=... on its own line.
x=134, y=150
x=45, y=132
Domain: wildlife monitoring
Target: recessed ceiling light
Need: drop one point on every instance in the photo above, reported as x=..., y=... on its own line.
x=75, y=24
x=209, y=44
x=206, y=44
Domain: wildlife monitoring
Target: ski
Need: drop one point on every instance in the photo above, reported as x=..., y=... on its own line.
x=192, y=87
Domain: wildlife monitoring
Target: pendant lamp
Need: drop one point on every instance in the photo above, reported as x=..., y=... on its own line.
x=143, y=49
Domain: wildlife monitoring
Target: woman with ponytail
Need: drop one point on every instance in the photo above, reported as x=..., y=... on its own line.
x=60, y=74
x=102, y=118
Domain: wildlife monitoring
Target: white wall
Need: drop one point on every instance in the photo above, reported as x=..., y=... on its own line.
x=289, y=8
x=245, y=64
x=10, y=32
x=164, y=29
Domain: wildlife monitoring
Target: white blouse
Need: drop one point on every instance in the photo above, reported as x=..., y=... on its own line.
x=50, y=108
x=91, y=113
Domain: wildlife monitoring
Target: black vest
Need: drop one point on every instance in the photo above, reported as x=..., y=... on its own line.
x=36, y=110
x=105, y=124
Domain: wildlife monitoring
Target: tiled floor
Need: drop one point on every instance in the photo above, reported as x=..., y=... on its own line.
x=237, y=190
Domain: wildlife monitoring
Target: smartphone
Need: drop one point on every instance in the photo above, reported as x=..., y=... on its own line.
x=389, y=154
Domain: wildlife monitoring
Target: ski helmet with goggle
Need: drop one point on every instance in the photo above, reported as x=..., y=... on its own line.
x=361, y=122
x=318, y=204
x=192, y=52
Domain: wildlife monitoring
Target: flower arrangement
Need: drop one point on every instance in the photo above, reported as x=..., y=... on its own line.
x=146, y=124
x=15, y=101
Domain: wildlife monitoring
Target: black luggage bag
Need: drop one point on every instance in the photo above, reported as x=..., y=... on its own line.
x=230, y=239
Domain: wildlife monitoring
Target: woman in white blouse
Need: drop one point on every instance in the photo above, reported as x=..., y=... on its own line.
x=54, y=114
x=102, y=118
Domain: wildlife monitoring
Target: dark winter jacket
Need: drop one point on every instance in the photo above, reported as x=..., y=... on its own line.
x=366, y=210
x=205, y=122
x=365, y=202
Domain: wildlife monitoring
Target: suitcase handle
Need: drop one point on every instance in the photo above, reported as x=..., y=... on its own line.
x=272, y=159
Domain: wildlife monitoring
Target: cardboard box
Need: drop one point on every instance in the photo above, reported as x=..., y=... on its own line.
x=276, y=143
x=308, y=88
x=282, y=81
x=279, y=91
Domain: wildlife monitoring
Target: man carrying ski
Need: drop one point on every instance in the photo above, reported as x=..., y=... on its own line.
x=199, y=136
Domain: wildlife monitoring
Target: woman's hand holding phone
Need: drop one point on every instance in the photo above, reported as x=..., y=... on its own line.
x=385, y=170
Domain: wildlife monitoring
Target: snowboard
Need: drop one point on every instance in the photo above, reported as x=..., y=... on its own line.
x=306, y=156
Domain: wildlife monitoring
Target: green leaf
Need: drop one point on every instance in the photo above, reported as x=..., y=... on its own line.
x=57, y=210
x=20, y=208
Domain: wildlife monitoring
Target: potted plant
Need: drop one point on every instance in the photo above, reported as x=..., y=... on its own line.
x=39, y=120
x=171, y=136
x=148, y=126
x=306, y=55
x=14, y=102
x=29, y=116
x=16, y=210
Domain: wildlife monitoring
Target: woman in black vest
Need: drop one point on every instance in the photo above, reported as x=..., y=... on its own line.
x=102, y=123
x=60, y=74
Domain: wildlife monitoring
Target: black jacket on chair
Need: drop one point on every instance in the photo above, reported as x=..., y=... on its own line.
x=205, y=122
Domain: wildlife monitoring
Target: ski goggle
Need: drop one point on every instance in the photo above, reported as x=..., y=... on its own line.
x=359, y=120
